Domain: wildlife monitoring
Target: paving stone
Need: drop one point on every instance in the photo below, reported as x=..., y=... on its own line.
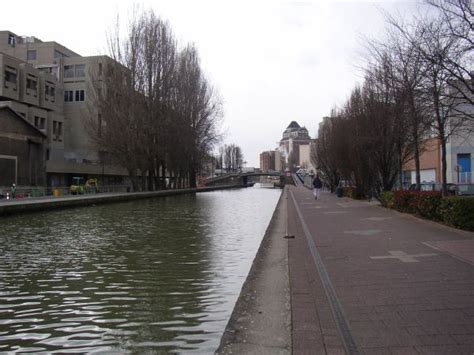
x=418, y=300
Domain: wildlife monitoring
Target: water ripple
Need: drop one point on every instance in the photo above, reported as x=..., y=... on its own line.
x=159, y=275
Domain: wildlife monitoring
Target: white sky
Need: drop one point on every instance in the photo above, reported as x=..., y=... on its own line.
x=272, y=61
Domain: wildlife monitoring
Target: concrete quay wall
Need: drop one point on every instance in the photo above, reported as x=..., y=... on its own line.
x=261, y=320
x=8, y=207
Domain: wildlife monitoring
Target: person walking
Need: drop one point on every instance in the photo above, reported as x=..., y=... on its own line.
x=317, y=185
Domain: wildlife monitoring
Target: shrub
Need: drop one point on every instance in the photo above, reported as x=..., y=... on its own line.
x=458, y=212
x=387, y=199
x=403, y=201
x=427, y=203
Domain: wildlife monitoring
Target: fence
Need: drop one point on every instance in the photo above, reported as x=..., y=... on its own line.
x=57, y=191
x=464, y=177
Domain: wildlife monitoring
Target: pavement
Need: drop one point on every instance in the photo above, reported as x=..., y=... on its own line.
x=365, y=279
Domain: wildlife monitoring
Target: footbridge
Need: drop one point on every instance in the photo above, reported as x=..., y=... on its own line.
x=241, y=179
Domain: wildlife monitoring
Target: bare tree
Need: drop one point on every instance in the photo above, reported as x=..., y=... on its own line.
x=159, y=116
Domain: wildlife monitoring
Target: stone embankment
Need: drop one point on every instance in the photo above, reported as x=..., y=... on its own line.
x=261, y=320
x=8, y=207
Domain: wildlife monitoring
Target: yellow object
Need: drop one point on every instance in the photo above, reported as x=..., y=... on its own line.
x=56, y=192
x=92, y=186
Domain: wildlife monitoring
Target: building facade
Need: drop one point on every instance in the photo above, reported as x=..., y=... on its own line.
x=305, y=157
x=294, y=136
x=267, y=161
x=53, y=88
x=22, y=147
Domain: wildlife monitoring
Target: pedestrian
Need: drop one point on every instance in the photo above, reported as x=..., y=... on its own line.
x=13, y=190
x=317, y=185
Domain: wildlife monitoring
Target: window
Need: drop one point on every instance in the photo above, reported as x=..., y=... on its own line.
x=80, y=70
x=100, y=68
x=11, y=40
x=69, y=71
x=80, y=95
x=68, y=96
x=31, y=55
x=58, y=54
x=57, y=130
x=49, y=91
x=40, y=122
x=31, y=84
x=10, y=74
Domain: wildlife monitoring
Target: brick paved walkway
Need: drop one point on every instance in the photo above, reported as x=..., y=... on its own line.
x=386, y=283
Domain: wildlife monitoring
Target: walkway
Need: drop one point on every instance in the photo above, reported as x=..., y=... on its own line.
x=364, y=279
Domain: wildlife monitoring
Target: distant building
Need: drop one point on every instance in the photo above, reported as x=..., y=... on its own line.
x=293, y=137
x=305, y=156
x=267, y=161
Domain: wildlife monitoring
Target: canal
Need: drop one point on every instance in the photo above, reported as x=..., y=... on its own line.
x=146, y=276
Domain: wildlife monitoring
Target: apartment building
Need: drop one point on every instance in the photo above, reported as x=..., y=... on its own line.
x=267, y=161
x=293, y=137
x=63, y=106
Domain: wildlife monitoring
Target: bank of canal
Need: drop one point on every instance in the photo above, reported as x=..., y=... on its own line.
x=152, y=275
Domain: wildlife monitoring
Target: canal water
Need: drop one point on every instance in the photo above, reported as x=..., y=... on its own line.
x=158, y=275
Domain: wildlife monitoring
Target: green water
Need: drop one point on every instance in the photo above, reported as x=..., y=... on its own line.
x=150, y=276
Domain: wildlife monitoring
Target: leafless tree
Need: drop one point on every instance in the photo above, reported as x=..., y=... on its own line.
x=156, y=105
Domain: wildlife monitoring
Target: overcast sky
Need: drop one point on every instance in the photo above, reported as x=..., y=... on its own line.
x=272, y=61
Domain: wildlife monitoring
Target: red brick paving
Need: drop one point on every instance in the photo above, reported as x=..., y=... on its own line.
x=391, y=307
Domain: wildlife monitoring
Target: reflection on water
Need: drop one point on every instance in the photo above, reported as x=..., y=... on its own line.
x=147, y=276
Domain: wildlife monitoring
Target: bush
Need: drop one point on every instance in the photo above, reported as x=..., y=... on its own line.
x=427, y=203
x=403, y=201
x=423, y=203
x=387, y=199
x=458, y=212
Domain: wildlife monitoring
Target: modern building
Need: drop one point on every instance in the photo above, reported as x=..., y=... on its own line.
x=305, y=156
x=293, y=137
x=55, y=91
x=267, y=161
x=459, y=161
x=22, y=147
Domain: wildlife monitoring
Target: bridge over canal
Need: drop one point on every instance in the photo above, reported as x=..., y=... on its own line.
x=242, y=179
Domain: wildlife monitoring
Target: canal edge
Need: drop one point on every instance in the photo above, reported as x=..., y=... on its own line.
x=8, y=208
x=261, y=319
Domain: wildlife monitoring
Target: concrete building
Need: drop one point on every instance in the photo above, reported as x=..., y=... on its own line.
x=293, y=137
x=267, y=161
x=22, y=150
x=430, y=164
x=62, y=107
x=459, y=161
x=305, y=157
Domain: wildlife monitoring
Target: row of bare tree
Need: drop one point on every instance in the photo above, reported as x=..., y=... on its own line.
x=158, y=115
x=418, y=85
x=230, y=158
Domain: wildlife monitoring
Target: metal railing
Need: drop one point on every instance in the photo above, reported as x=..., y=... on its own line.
x=57, y=191
x=463, y=177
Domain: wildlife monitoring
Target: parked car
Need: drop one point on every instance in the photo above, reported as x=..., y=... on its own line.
x=452, y=188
